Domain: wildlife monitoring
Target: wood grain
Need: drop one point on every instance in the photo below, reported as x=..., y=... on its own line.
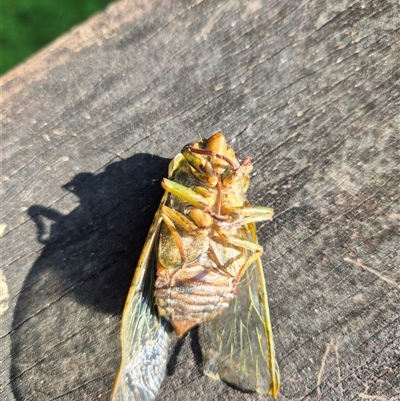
x=310, y=90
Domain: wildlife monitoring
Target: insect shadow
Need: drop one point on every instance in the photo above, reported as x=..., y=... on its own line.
x=176, y=349
x=65, y=338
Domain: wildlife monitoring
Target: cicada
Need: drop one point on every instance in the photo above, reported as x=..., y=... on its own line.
x=201, y=265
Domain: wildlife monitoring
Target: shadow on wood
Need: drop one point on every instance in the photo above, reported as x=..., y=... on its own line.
x=88, y=259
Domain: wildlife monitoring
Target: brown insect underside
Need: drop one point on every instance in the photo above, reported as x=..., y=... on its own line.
x=201, y=263
x=202, y=280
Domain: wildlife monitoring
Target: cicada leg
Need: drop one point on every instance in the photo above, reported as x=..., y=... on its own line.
x=256, y=248
x=217, y=263
x=179, y=219
x=186, y=194
x=193, y=197
x=175, y=236
x=200, y=163
x=202, y=168
x=172, y=218
x=205, y=166
x=248, y=214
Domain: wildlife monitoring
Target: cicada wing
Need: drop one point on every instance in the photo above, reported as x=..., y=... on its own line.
x=238, y=345
x=144, y=337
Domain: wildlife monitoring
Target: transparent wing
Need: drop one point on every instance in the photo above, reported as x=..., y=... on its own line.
x=144, y=338
x=238, y=346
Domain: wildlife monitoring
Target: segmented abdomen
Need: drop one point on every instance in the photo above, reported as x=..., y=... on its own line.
x=192, y=294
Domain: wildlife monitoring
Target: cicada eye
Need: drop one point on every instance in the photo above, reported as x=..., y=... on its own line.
x=217, y=143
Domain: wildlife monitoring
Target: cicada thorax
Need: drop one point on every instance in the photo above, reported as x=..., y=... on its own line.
x=198, y=268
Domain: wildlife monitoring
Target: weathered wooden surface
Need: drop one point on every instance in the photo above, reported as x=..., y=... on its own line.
x=310, y=90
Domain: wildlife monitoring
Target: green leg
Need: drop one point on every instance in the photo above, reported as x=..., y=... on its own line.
x=248, y=214
x=186, y=194
x=257, y=249
x=179, y=219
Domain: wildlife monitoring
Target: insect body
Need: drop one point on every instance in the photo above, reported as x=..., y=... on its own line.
x=201, y=265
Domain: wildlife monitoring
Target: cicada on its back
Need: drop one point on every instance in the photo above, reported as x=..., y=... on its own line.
x=201, y=265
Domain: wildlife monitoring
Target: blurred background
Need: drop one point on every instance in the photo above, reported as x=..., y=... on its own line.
x=28, y=25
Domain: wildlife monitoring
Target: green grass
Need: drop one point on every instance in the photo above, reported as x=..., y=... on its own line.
x=28, y=25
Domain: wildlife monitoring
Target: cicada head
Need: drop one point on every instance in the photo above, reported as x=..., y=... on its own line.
x=213, y=162
x=222, y=159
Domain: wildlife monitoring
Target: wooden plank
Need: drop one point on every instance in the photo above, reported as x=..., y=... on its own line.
x=310, y=90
